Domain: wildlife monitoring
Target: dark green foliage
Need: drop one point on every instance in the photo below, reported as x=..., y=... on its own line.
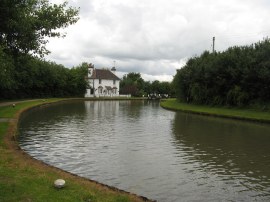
x=24, y=27
x=133, y=84
x=25, y=24
x=30, y=77
x=7, y=79
x=236, y=77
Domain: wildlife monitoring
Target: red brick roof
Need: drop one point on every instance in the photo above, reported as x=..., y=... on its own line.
x=103, y=74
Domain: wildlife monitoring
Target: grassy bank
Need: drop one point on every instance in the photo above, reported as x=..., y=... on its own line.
x=236, y=113
x=23, y=178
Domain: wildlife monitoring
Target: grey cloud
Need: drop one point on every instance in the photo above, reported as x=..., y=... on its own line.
x=153, y=37
x=86, y=7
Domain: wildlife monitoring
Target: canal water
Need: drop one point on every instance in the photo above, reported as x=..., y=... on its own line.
x=142, y=148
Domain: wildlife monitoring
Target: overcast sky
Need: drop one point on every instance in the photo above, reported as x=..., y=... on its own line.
x=156, y=37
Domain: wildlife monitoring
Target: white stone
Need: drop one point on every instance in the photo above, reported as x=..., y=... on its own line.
x=60, y=183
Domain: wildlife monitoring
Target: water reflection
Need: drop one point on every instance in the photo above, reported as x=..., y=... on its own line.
x=236, y=152
x=139, y=147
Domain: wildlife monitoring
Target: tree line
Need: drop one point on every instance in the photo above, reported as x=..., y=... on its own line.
x=25, y=26
x=238, y=76
x=133, y=84
x=31, y=77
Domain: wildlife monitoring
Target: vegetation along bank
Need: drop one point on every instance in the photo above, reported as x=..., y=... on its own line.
x=239, y=76
x=251, y=114
x=23, y=178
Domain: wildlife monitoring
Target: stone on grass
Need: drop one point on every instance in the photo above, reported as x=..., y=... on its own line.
x=60, y=183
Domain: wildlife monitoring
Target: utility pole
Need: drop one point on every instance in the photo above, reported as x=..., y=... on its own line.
x=214, y=44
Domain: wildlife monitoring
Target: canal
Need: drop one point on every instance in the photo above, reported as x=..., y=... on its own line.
x=142, y=148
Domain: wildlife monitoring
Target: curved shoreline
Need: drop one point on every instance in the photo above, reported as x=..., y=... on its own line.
x=10, y=140
x=173, y=105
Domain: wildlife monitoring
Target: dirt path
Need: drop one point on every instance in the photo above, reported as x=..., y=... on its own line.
x=14, y=102
x=6, y=119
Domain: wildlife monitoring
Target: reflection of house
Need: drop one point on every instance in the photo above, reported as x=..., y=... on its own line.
x=102, y=82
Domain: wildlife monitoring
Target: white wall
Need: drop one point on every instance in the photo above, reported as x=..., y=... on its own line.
x=103, y=84
x=95, y=84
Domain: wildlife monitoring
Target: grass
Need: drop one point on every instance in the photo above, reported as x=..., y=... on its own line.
x=9, y=111
x=3, y=129
x=236, y=113
x=23, y=178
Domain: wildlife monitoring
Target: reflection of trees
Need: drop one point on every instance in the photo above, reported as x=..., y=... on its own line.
x=51, y=121
x=54, y=113
x=237, y=148
x=135, y=108
x=153, y=103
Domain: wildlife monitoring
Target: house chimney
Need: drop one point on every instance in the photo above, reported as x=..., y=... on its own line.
x=90, y=70
x=113, y=69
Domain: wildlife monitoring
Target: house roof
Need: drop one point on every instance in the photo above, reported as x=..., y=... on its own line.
x=103, y=74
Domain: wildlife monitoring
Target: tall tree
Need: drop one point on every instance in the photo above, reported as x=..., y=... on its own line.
x=238, y=76
x=132, y=83
x=7, y=80
x=26, y=24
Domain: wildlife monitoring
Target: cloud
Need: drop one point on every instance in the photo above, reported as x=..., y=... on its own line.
x=155, y=37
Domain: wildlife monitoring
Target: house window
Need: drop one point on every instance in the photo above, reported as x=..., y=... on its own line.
x=100, y=89
x=113, y=82
x=114, y=90
x=99, y=81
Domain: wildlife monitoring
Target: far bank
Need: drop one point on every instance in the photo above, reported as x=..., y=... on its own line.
x=226, y=112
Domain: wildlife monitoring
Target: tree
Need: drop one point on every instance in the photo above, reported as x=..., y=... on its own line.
x=155, y=86
x=133, y=84
x=26, y=24
x=7, y=80
x=238, y=76
x=77, y=81
x=165, y=88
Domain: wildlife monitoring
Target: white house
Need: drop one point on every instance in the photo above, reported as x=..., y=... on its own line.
x=102, y=82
